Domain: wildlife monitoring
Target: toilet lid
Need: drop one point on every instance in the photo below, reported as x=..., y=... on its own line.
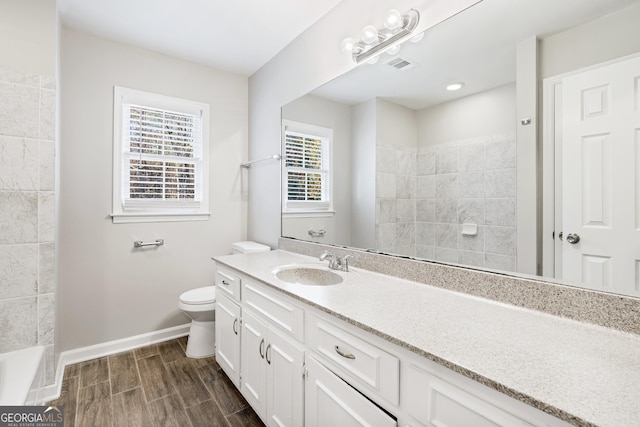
x=204, y=295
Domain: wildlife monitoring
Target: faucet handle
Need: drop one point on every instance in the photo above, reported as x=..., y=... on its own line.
x=325, y=255
x=344, y=262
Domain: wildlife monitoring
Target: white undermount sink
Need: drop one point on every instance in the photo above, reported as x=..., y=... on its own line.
x=309, y=275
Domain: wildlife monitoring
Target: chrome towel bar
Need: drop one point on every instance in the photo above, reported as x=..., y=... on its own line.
x=248, y=164
x=140, y=243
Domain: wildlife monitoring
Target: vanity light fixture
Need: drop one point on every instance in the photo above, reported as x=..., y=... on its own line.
x=455, y=86
x=374, y=41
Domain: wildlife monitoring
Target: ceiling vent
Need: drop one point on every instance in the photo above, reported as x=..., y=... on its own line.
x=400, y=64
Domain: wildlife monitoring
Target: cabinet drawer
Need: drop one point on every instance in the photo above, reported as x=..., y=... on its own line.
x=276, y=309
x=356, y=359
x=228, y=283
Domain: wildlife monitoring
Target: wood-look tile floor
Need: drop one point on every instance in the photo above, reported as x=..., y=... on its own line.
x=152, y=386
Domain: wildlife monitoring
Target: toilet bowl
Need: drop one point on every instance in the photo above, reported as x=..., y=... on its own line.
x=200, y=304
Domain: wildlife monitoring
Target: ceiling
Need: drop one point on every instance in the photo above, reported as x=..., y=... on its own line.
x=477, y=47
x=238, y=36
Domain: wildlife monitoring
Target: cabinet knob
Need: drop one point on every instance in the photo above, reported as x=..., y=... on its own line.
x=235, y=326
x=224, y=282
x=267, y=354
x=260, y=350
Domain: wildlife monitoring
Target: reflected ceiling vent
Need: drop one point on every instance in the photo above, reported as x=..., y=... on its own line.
x=400, y=64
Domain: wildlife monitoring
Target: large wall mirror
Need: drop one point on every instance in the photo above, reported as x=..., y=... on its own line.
x=417, y=170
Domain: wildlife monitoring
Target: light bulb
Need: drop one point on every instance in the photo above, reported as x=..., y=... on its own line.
x=393, y=19
x=348, y=44
x=369, y=34
x=417, y=37
x=455, y=86
x=394, y=50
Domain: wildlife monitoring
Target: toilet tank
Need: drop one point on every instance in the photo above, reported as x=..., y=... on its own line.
x=248, y=247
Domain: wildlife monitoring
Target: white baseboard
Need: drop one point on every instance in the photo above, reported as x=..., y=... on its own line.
x=83, y=354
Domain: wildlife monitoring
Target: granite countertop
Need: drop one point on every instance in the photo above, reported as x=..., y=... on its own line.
x=582, y=373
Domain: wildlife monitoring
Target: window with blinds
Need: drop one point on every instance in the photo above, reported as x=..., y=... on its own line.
x=161, y=154
x=307, y=168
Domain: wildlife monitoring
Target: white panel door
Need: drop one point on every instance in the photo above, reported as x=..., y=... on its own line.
x=285, y=382
x=601, y=177
x=254, y=367
x=227, y=328
x=330, y=402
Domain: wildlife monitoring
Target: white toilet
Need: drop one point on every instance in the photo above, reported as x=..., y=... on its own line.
x=200, y=305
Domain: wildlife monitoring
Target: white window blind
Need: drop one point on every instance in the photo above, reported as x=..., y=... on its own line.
x=308, y=171
x=162, y=162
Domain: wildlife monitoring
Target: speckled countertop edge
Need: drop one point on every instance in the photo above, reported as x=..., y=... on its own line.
x=538, y=403
x=584, y=305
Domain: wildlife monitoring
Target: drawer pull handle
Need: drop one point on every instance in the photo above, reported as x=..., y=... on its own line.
x=261, y=348
x=267, y=353
x=345, y=355
x=235, y=326
x=224, y=282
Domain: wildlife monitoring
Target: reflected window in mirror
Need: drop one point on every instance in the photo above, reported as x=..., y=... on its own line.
x=307, y=168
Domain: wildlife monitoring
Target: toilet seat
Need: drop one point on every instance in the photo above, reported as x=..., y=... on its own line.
x=204, y=295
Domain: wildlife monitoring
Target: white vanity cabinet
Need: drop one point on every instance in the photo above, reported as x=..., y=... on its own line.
x=227, y=329
x=331, y=402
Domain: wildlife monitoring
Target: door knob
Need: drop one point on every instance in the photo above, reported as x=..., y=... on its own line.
x=573, y=238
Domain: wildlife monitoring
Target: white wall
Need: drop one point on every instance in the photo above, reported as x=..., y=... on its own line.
x=363, y=167
x=108, y=290
x=312, y=59
x=608, y=38
x=321, y=112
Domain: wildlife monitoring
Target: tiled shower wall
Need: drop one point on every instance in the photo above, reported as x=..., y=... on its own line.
x=27, y=213
x=425, y=195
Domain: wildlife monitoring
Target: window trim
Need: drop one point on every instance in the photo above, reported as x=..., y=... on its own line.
x=164, y=210
x=305, y=209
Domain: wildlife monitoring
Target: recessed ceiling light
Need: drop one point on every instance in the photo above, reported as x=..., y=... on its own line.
x=455, y=86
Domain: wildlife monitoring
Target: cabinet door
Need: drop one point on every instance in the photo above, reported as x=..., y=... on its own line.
x=285, y=382
x=330, y=402
x=227, y=328
x=254, y=366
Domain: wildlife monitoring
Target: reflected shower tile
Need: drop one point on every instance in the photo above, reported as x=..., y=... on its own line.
x=426, y=187
x=406, y=162
x=446, y=211
x=47, y=166
x=46, y=214
x=425, y=252
x=405, y=210
x=11, y=76
x=447, y=160
x=500, y=183
x=500, y=212
x=46, y=319
x=18, y=270
x=386, y=160
x=18, y=217
x=387, y=211
x=46, y=274
x=47, y=114
x=405, y=233
x=446, y=255
x=471, y=211
x=405, y=187
x=447, y=185
x=50, y=364
x=446, y=235
x=48, y=82
x=500, y=262
x=474, y=259
x=471, y=158
x=501, y=153
x=386, y=236
x=385, y=185
x=500, y=240
x=19, y=110
x=425, y=210
x=426, y=163
x=18, y=164
x=471, y=184
x=425, y=235
x=471, y=243
x=18, y=323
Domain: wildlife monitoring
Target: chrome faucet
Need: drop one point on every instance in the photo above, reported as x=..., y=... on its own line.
x=335, y=262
